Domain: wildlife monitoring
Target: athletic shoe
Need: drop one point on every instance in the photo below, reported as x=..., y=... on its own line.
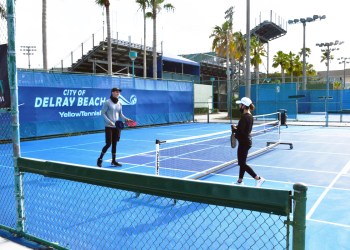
x=259, y=182
x=117, y=164
x=239, y=183
x=99, y=162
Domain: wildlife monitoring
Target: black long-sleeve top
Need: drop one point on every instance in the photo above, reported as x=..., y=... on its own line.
x=244, y=129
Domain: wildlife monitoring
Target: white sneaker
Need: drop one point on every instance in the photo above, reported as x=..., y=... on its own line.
x=238, y=183
x=259, y=182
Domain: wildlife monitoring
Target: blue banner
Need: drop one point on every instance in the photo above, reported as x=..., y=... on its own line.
x=48, y=111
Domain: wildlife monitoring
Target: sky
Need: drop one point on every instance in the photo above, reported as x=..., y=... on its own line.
x=184, y=31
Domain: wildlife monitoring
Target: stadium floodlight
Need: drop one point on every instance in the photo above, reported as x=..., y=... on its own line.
x=28, y=51
x=327, y=51
x=343, y=60
x=304, y=21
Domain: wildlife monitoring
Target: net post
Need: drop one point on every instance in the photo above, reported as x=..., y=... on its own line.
x=208, y=114
x=157, y=161
x=299, y=216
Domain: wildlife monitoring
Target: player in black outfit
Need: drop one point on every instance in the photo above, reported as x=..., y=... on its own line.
x=243, y=135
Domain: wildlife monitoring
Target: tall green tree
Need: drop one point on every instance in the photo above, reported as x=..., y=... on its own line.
x=157, y=6
x=281, y=60
x=144, y=4
x=106, y=4
x=257, y=52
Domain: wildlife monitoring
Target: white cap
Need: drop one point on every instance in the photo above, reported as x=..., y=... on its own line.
x=245, y=101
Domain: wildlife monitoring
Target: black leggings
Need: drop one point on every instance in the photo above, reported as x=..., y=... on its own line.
x=242, y=154
x=112, y=137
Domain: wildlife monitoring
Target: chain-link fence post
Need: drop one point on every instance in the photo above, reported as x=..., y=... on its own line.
x=299, y=215
x=12, y=76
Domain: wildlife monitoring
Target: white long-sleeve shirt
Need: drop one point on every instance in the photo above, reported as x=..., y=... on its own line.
x=112, y=112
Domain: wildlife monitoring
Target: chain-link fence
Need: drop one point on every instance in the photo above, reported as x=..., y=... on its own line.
x=95, y=217
x=7, y=187
x=74, y=207
x=316, y=105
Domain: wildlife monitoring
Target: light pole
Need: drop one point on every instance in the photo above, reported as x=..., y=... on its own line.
x=228, y=17
x=133, y=56
x=343, y=60
x=247, y=55
x=28, y=51
x=304, y=21
x=327, y=51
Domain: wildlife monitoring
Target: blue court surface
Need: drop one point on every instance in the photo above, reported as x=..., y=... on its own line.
x=320, y=158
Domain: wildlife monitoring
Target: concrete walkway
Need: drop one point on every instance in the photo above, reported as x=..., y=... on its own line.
x=10, y=242
x=7, y=244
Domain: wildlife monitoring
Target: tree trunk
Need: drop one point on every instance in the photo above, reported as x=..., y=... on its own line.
x=109, y=42
x=257, y=73
x=144, y=45
x=154, y=52
x=44, y=34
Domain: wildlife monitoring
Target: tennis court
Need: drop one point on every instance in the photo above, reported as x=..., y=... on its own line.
x=320, y=158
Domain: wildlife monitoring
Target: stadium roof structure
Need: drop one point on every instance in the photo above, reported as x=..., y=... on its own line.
x=267, y=31
x=95, y=60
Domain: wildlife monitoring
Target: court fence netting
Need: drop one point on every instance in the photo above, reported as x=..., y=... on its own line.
x=65, y=206
x=76, y=207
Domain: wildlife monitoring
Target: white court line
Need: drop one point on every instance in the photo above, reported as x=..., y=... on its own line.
x=298, y=169
x=325, y=192
x=330, y=223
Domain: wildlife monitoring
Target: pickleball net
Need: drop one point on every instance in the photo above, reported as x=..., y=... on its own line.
x=197, y=156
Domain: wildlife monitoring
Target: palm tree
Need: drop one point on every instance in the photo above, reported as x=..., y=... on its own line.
x=240, y=50
x=326, y=56
x=143, y=4
x=291, y=58
x=257, y=51
x=156, y=6
x=44, y=34
x=298, y=66
x=106, y=4
x=222, y=45
x=220, y=40
x=310, y=70
x=280, y=59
